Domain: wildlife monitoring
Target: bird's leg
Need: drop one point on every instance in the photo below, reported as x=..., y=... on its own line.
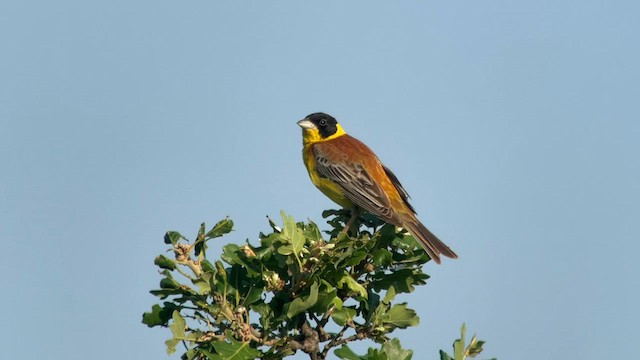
x=355, y=212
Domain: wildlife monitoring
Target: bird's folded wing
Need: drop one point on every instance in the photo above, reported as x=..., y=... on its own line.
x=403, y=193
x=354, y=180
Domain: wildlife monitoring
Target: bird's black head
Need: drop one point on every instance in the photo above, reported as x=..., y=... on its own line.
x=327, y=125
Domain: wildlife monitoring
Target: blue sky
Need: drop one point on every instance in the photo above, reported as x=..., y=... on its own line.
x=513, y=125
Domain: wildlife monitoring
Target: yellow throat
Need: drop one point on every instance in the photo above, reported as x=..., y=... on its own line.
x=312, y=136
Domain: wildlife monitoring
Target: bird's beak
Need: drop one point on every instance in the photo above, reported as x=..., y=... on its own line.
x=306, y=124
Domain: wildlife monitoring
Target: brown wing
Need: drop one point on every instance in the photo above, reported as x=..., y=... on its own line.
x=371, y=186
x=355, y=168
x=403, y=193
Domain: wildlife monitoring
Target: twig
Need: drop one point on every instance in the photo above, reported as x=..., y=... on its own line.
x=325, y=352
x=325, y=317
x=336, y=340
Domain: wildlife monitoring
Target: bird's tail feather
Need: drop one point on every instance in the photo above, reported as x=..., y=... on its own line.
x=431, y=244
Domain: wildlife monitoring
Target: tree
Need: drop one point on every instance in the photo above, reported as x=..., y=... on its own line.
x=295, y=291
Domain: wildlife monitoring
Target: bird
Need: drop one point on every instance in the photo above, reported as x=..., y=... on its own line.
x=349, y=173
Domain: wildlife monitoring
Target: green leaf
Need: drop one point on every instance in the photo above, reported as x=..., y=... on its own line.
x=171, y=345
x=235, y=350
x=178, y=330
x=387, y=235
x=169, y=286
x=401, y=316
x=204, y=283
x=298, y=305
x=190, y=354
x=222, y=272
x=459, y=351
x=274, y=226
x=164, y=262
x=153, y=318
x=266, y=314
x=169, y=283
x=475, y=347
x=312, y=232
x=208, y=354
x=343, y=251
x=402, y=280
x=333, y=212
x=163, y=294
x=458, y=345
x=375, y=354
x=341, y=316
x=233, y=255
x=254, y=294
x=370, y=220
x=356, y=258
x=389, y=296
x=370, y=307
x=394, y=350
x=159, y=315
x=172, y=237
x=201, y=231
x=382, y=257
x=199, y=245
x=291, y=235
x=327, y=297
x=345, y=352
x=207, y=266
x=222, y=227
x=178, y=326
x=445, y=356
x=352, y=284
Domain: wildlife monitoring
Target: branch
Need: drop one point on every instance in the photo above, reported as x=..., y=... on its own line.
x=338, y=340
x=325, y=317
x=183, y=257
x=310, y=344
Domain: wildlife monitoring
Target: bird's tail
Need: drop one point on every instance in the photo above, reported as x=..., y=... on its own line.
x=430, y=243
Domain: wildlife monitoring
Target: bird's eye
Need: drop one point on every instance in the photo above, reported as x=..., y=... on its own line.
x=322, y=122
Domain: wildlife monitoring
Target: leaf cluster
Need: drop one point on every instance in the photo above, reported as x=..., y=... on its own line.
x=294, y=291
x=462, y=350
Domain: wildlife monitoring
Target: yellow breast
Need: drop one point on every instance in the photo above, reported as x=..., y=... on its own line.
x=328, y=187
